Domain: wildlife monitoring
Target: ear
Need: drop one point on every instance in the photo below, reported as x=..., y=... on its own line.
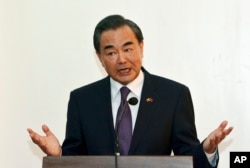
x=141, y=45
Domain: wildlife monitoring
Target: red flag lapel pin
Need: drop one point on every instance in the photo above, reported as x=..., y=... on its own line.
x=149, y=100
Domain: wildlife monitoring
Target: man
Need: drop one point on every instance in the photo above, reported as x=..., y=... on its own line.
x=162, y=120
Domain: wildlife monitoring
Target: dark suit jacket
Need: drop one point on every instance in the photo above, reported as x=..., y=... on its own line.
x=164, y=124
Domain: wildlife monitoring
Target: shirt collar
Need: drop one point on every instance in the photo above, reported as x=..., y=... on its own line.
x=135, y=86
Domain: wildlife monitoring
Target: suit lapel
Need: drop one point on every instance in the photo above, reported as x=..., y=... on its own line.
x=147, y=105
x=105, y=109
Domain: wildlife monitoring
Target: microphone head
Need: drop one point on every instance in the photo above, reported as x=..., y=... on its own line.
x=133, y=101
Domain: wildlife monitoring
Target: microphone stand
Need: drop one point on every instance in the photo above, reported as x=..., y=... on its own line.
x=117, y=146
x=117, y=149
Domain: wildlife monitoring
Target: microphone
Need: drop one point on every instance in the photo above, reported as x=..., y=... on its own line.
x=132, y=101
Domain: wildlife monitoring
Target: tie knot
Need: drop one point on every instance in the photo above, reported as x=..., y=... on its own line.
x=124, y=92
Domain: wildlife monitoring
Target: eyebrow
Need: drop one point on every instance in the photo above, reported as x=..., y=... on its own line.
x=127, y=43
x=111, y=46
x=108, y=47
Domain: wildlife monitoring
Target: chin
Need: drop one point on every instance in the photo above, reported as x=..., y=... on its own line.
x=126, y=81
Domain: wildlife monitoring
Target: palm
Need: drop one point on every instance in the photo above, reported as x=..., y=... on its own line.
x=215, y=137
x=48, y=143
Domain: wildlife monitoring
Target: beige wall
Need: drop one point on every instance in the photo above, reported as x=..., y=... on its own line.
x=46, y=51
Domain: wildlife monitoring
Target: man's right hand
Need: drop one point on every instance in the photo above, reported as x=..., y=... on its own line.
x=48, y=143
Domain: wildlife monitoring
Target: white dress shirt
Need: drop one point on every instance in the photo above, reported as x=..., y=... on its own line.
x=135, y=91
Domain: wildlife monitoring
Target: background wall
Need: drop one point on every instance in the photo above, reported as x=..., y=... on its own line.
x=46, y=51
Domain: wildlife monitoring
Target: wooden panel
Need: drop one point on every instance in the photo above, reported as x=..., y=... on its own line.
x=155, y=162
x=122, y=162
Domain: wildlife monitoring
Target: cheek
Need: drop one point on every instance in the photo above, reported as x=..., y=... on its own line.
x=103, y=65
x=103, y=62
x=136, y=59
x=108, y=65
x=138, y=55
x=100, y=59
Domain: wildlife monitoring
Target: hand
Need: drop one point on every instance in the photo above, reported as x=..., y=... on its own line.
x=49, y=143
x=215, y=137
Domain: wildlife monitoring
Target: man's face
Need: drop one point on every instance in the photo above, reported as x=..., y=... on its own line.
x=121, y=54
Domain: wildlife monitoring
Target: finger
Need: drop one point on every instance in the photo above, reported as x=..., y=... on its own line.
x=220, y=135
x=46, y=130
x=222, y=132
x=35, y=137
x=228, y=131
x=223, y=125
x=222, y=129
x=30, y=131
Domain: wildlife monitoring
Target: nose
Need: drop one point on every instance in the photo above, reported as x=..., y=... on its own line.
x=121, y=57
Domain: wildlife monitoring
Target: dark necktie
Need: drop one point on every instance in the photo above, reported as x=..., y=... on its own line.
x=124, y=122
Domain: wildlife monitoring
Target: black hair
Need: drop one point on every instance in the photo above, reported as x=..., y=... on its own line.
x=114, y=22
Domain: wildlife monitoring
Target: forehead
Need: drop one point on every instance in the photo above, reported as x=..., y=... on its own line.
x=117, y=36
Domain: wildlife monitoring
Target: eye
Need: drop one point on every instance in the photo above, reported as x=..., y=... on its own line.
x=111, y=53
x=128, y=49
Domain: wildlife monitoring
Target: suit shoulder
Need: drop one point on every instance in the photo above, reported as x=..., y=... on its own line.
x=166, y=82
x=92, y=87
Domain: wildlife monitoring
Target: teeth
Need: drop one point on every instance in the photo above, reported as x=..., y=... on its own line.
x=124, y=70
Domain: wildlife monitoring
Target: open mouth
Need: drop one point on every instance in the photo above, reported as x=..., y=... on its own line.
x=124, y=71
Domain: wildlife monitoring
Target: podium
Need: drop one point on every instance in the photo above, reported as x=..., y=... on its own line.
x=119, y=162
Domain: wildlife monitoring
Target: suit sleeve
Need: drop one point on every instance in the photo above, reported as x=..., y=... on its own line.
x=185, y=141
x=74, y=139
